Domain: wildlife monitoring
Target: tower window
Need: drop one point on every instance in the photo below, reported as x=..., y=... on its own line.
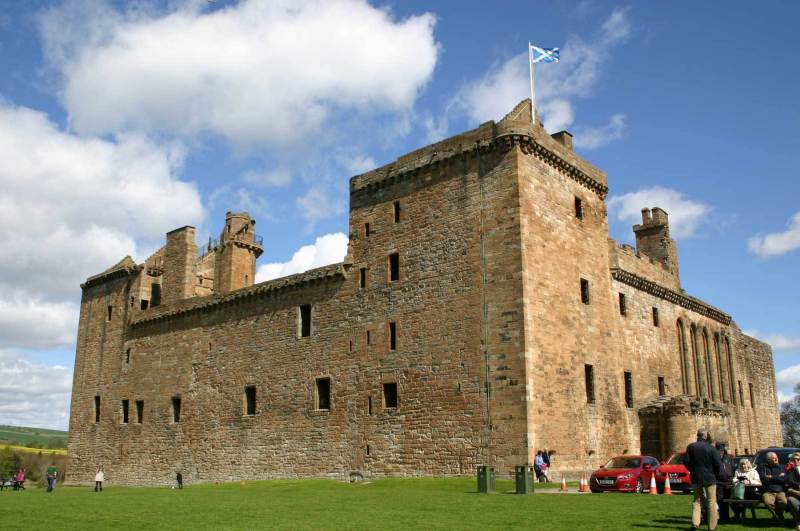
x=622, y=309
x=324, y=394
x=369, y=338
x=96, y=409
x=662, y=387
x=305, y=320
x=588, y=375
x=155, y=295
x=394, y=267
x=110, y=311
x=578, y=208
x=366, y=230
x=369, y=405
x=752, y=396
x=362, y=279
x=584, y=291
x=250, y=400
x=392, y=336
x=389, y=395
x=139, y=411
x=396, y=209
x=176, y=409
x=655, y=316
x=124, y=411
x=143, y=304
x=628, y=389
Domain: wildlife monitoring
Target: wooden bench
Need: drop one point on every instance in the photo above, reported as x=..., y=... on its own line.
x=739, y=506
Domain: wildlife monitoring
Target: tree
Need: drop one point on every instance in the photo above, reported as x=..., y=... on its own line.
x=790, y=419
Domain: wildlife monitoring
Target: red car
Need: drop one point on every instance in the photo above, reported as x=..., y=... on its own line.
x=625, y=473
x=679, y=476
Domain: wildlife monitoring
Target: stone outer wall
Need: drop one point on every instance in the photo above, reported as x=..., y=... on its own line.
x=491, y=339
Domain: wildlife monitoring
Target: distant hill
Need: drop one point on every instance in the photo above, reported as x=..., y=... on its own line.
x=32, y=437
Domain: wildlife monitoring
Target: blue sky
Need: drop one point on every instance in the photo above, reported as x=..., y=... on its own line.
x=120, y=121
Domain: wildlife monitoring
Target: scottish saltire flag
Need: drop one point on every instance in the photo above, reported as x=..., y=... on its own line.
x=544, y=55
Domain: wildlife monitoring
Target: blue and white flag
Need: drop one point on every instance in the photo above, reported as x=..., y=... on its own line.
x=544, y=55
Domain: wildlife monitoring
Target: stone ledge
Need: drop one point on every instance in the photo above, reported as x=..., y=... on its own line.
x=690, y=303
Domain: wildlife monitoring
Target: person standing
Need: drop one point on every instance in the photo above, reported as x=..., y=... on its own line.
x=99, y=477
x=546, y=459
x=724, y=481
x=19, y=480
x=52, y=476
x=179, y=479
x=793, y=488
x=704, y=463
x=773, y=478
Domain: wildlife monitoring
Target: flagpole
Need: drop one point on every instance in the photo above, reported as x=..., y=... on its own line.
x=533, y=96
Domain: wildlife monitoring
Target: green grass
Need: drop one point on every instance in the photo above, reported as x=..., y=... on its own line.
x=32, y=437
x=324, y=504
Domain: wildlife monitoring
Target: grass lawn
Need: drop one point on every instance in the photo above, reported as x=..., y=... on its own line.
x=451, y=503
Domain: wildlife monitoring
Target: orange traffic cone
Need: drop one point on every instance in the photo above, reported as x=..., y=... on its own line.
x=584, y=483
x=653, y=489
x=563, y=487
x=667, y=488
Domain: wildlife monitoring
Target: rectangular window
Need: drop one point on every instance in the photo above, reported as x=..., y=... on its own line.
x=110, y=311
x=369, y=405
x=127, y=355
x=139, y=411
x=394, y=267
x=96, y=409
x=124, y=411
x=250, y=399
x=588, y=374
x=628, y=389
x=389, y=395
x=351, y=345
x=655, y=316
x=324, y=393
x=392, y=336
x=155, y=294
x=176, y=409
x=752, y=396
x=366, y=230
x=622, y=309
x=362, y=279
x=369, y=338
x=578, y=208
x=584, y=291
x=396, y=208
x=305, y=320
x=143, y=304
x=662, y=388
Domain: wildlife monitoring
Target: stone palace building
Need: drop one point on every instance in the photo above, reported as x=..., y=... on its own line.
x=482, y=312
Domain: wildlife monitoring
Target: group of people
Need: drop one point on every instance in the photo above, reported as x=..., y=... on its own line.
x=541, y=465
x=16, y=481
x=714, y=481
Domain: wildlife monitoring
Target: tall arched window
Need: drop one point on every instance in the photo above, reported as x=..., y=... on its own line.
x=712, y=391
x=731, y=376
x=720, y=369
x=684, y=359
x=699, y=386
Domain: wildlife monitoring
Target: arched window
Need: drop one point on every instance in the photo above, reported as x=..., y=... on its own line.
x=712, y=391
x=684, y=359
x=699, y=387
x=720, y=369
x=731, y=376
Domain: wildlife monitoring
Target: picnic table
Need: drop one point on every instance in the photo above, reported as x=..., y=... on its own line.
x=11, y=483
x=752, y=500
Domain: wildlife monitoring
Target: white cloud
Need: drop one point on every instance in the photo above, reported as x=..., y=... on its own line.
x=318, y=203
x=789, y=377
x=257, y=72
x=358, y=164
x=776, y=341
x=33, y=394
x=278, y=177
x=557, y=85
x=595, y=137
x=685, y=216
x=71, y=207
x=777, y=243
x=37, y=323
x=327, y=249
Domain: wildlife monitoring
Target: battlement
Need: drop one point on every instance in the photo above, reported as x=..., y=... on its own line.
x=653, y=240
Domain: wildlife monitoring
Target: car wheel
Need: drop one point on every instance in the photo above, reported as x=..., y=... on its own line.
x=596, y=491
x=639, y=486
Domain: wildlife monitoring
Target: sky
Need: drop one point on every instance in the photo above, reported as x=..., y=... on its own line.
x=120, y=121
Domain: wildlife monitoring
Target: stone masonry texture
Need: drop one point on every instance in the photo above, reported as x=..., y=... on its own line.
x=455, y=333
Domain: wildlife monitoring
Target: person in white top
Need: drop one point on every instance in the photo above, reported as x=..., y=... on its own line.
x=98, y=479
x=747, y=474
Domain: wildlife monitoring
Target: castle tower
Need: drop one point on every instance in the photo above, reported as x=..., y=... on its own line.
x=238, y=249
x=653, y=240
x=180, y=257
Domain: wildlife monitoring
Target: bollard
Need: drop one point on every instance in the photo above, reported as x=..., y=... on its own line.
x=485, y=479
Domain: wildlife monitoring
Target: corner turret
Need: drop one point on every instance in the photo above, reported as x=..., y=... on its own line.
x=653, y=240
x=236, y=255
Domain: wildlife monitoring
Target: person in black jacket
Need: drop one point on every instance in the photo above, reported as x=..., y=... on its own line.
x=703, y=462
x=724, y=481
x=793, y=487
x=773, y=479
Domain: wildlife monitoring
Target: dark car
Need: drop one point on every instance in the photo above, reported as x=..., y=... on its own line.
x=783, y=455
x=739, y=458
x=679, y=476
x=624, y=473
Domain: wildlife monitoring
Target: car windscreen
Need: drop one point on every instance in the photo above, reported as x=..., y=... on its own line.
x=624, y=462
x=783, y=455
x=676, y=459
